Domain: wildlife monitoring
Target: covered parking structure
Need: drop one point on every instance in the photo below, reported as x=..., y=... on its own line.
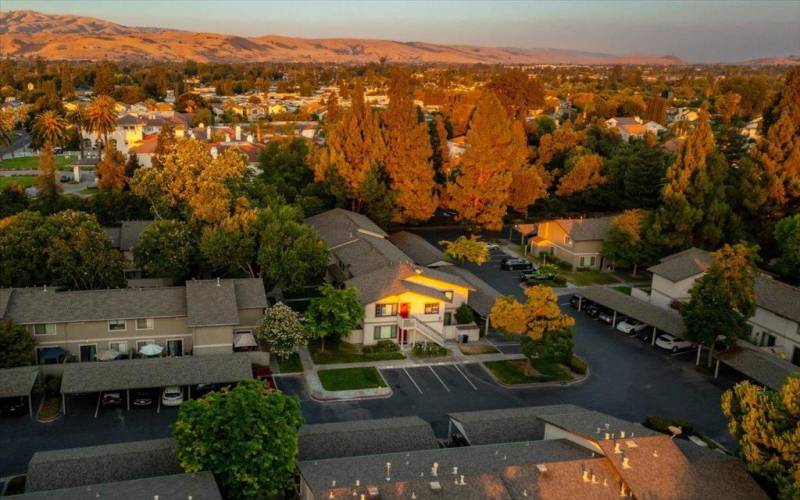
x=19, y=382
x=660, y=319
x=762, y=367
x=124, y=375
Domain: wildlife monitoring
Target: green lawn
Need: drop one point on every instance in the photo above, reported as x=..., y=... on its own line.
x=292, y=364
x=513, y=371
x=343, y=352
x=32, y=163
x=347, y=379
x=90, y=191
x=592, y=277
x=22, y=180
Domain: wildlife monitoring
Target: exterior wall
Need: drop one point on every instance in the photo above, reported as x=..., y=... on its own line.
x=664, y=291
x=416, y=309
x=553, y=432
x=213, y=340
x=557, y=244
x=250, y=317
x=785, y=331
x=460, y=294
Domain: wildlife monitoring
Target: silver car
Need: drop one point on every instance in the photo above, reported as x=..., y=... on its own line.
x=672, y=343
x=172, y=396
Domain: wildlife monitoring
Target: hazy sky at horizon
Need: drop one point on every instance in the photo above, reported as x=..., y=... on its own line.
x=698, y=31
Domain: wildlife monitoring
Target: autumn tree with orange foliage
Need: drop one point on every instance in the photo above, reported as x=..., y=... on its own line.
x=585, y=173
x=528, y=182
x=517, y=92
x=408, y=154
x=480, y=192
x=539, y=314
x=111, y=170
x=728, y=105
x=554, y=146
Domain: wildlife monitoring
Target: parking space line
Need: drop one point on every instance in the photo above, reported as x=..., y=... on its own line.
x=465, y=377
x=412, y=380
x=439, y=379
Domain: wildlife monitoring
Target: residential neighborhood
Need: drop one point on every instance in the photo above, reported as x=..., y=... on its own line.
x=309, y=250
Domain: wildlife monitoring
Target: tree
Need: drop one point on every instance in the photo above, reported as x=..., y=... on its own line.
x=166, y=249
x=291, y=254
x=16, y=345
x=13, y=200
x=104, y=79
x=555, y=345
x=480, y=191
x=7, y=124
x=722, y=301
x=247, y=437
x=440, y=151
x=586, y=172
x=540, y=313
x=529, y=182
x=656, y=110
x=624, y=243
x=101, y=116
x=47, y=186
x=334, y=314
x=230, y=250
x=111, y=170
x=728, y=106
x=50, y=129
x=284, y=165
x=77, y=118
x=22, y=261
x=766, y=423
x=517, y=92
x=787, y=238
x=465, y=249
x=281, y=330
x=378, y=198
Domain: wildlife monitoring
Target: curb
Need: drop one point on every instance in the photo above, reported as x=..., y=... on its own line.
x=323, y=396
x=536, y=385
x=51, y=419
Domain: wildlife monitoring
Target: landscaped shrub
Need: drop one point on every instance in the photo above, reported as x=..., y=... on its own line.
x=464, y=315
x=429, y=350
x=577, y=365
x=661, y=424
x=560, y=280
x=381, y=346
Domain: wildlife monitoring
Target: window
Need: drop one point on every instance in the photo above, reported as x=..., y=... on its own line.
x=116, y=325
x=88, y=352
x=588, y=261
x=383, y=310
x=175, y=347
x=767, y=340
x=448, y=318
x=43, y=329
x=144, y=324
x=448, y=294
x=432, y=308
x=384, y=332
x=120, y=347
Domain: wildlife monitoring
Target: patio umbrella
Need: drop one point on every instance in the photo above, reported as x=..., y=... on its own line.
x=108, y=355
x=151, y=349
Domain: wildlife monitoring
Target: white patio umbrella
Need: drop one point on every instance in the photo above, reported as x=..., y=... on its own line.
x=151, y=349
x=108, y=355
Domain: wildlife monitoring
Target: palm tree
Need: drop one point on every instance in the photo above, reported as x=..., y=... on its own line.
x=101, y=116
x=77, y=117
x=50, y=128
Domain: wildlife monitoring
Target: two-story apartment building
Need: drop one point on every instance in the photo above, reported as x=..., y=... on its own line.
x=674, y=276
x=202, y=317
x=579, y=242
x=404, y=302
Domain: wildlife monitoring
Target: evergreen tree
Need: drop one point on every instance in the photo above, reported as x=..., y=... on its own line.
x=378, y=197
x=104, y=79
x=529, y=182
x=624, y=243
x=656, y=110
x=480, y=192
x=111, y=170
x=440, y=150
x=408, y=153
x=517, y=92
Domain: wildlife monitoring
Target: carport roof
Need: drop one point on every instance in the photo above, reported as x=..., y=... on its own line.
x=762, y=367
x=365, y=437
x=507, y=425
x=16, y=382
x=200, y=486
x=159, y=372
x=666, y=321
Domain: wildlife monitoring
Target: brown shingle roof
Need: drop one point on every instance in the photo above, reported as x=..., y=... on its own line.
x=778, y=297
x=763, y=367
x=211, y=303
x=389, y=281
x=682, y=265
x=592, y=229
x=416, y=247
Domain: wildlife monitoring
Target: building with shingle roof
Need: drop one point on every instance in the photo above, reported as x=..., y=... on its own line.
x=675, y=274
x=419, y=249
x=199, y=317
x=578, y=242
x=197, y=486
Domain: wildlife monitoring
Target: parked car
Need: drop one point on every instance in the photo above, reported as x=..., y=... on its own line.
x=592, y=310
x=64, y=178
x=13, y=407
x=543, y=273
x=111, y=400
x=142, y=398
x=672, y=343
x=172, y=396
x=631, y=326
x=492, y=246
x=516, y=265
x=607, y=316
x=645, y=335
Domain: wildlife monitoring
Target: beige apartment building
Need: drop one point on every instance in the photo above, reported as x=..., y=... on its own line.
x=578, y=242
x=202, y=317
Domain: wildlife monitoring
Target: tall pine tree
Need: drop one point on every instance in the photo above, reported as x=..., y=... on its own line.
x=529, y=182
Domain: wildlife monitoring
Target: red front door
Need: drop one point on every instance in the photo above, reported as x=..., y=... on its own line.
x=404, y=310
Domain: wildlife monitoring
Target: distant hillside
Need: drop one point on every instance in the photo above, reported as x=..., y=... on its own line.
x=29, y=34
x=771, y=61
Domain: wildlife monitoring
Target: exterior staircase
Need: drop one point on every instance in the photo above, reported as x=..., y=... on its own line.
x=423, y=329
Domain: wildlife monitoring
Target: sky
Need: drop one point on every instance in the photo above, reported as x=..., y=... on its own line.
x=697, y=31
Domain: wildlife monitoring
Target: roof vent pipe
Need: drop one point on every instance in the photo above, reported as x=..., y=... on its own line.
x=218, y=282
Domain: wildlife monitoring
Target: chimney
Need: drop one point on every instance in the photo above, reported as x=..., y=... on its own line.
x=625, y=463
x=227, y=137
x=218, y=282
x=617, y=449
x=435, y=469
x=585, y=476
x=208, y=134
x=238, y=132
x=622, y=434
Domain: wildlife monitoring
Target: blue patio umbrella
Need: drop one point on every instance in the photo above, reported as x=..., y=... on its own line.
x=151, y=350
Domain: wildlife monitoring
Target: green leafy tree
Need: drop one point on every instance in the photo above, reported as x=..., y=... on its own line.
x=13, y=200
x=284, y=165
x=334, y=313
x=624, y=243
x=723, y=299
x=22, y=261
x=465, y=249
x=230, y=250
x=291, y=254
x=787, y=237
x=247, y=437
x=378, y=198
x=281, y=330
x=767, y=425
x=555, y=345
x=166, y=249
x=16, y=345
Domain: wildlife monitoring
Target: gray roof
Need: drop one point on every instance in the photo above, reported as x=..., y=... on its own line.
x=665, y=320
x=763, y=367
x=592, y=229
x=211, y=303
x=129, y=233
x=17, y=381
x=409, y=467
x=148, y=282
x=114, y=234
x=682, y=265
x=392, y=280
x=507, y=425
x=156, y=372
x=483, y=297
x=418, y=248
x=365, y=437
x=129, y=120
x=338, y=226
x=68, y=468
x=199, y=486
x=778, y=297
x=586, y=423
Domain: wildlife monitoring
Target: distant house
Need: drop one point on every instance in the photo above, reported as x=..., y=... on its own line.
x=752, y=129
x=675, y=275
x=126, y=236
x=456, y=146
x=617, y=121
x=654, y=128
x=578, y=242
x=631, y=131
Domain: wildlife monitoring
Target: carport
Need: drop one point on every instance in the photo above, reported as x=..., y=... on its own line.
x=765, y=368
x=660, y=319
x=19, y=382
x=130, y=374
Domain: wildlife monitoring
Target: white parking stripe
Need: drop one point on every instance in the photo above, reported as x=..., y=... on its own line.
x=412, y=380
x=465, y=377
x=439, y=378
